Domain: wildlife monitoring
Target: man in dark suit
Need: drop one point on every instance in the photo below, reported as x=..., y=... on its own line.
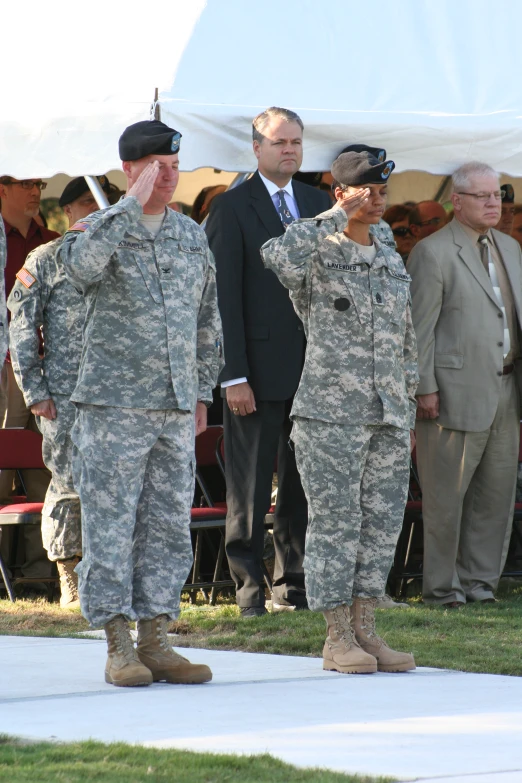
x=264, y=352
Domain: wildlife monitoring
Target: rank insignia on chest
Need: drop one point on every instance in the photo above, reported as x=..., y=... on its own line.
x=25, y=277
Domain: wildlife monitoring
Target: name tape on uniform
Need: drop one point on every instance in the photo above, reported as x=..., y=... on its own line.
x=400, y=275
x=343, y=267
x=132, y=245
x=25, y=277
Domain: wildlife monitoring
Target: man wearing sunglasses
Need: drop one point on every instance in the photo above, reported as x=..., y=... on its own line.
x=151, y=357
x=20, y=206
x=426, y=218
x=467, y=299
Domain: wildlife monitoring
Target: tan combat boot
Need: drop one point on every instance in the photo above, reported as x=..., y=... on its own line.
x=388, y=660
x=69, y=598
x=341, y=652
x=123, y=666
x=155, y=651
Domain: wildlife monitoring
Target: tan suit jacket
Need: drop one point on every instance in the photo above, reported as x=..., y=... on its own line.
x=459, y=325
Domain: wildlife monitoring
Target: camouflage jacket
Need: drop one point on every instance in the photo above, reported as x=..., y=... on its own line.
x=4, y=334
x=383, y=233
x=361, y=354
x=152, y=335
x=45, y=299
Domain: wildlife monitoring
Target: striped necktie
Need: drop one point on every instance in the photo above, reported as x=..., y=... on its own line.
x=284, y=213
x=487, y=260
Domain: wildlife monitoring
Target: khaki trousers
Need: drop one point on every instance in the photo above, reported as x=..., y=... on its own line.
x=468, y=482
x=14, y=413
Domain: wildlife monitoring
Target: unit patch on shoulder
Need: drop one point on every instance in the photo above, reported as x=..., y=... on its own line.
x=25, y=277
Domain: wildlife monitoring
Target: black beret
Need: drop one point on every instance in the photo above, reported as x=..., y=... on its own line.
x=78, y=186
x=508, y=194
x=377, y=152
x=361, y=168
x=150, y=137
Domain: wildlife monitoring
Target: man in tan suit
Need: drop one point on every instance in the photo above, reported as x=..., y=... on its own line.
x=467, y=306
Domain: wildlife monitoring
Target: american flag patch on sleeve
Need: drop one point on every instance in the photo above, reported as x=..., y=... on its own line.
x=81, y=225
x=25, y=277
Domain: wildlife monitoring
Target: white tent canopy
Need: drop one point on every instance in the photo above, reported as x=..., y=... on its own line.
x=432, y=81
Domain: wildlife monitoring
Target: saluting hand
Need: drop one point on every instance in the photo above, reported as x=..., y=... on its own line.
x=45, y=408
x=142, y=188
x=353, y=201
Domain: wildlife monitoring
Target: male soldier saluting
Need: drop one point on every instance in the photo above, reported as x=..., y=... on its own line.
x=43, y=298
x=150, y=359
x=354, y=407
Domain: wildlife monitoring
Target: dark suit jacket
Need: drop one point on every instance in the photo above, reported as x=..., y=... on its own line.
x=263, y=337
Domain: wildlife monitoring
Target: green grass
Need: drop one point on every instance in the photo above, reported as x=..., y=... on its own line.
x=95, y=762
x=477, y=638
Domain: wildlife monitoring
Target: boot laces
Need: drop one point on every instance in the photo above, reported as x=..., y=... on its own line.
x=368, y=620
x=162, y=634
x=343, y=624
x=124, y=643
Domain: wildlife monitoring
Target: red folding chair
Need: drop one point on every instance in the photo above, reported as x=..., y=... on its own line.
x=20, y=450
x=407, y=563
x=207, y=518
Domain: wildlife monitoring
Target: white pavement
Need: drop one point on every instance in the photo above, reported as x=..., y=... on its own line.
x=430, y=725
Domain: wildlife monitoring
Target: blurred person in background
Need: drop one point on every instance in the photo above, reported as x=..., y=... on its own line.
x=20, y=207
x=505, y=224
x=43, y=300
x=397, y=219
x=516, y=230
x=203, y=200
x=425, y=218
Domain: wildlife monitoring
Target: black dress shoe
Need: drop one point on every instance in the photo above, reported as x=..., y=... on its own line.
x=454, y=605
x=489, y=600
x=252, y=611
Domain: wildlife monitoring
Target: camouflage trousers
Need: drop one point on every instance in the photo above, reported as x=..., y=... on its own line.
x=61, y=516
x=134, y=471
x=355, y=480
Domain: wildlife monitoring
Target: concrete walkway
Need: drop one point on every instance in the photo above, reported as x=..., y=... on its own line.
x=430, y=725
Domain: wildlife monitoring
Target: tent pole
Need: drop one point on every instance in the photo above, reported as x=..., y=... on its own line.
x=96, y=190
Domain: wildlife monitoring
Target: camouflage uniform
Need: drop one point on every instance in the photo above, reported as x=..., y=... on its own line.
x=49, y=301
x=383, y=233
x=355, y=404
x=4, y=338
x=152, y=348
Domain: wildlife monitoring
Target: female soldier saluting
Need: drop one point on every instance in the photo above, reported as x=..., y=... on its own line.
x=354, y=411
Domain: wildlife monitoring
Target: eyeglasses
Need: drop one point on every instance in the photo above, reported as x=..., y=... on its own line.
x=497, y=195
x=434, y=221
x=401, y=231
x=26, y=184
